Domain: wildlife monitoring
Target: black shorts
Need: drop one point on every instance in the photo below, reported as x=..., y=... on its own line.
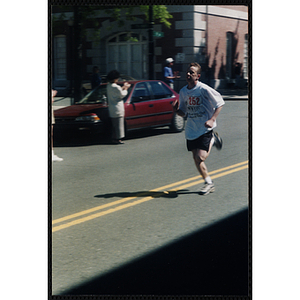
x=202, y=142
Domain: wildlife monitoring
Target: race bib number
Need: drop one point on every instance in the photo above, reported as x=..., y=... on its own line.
x=194, y=100
x=195, y=108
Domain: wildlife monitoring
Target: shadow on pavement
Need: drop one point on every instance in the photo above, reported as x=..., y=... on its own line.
x=211, y=261
x=86, y=138
x=233, y=92
x=154, y=194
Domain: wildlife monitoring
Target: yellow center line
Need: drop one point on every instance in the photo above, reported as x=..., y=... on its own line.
x=112, y=210
x=212, y=177
x=84, y=212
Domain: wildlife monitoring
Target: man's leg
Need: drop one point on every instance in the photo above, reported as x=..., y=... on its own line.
x=199, y=156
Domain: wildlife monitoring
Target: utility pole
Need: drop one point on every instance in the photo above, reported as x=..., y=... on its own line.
x=151, y=44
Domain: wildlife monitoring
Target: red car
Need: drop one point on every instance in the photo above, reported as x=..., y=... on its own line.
x=147, y=104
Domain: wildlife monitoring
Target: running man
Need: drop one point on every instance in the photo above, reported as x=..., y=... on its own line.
x=201, y=105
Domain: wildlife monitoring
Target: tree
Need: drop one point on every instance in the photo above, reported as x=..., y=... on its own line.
x=121, y=14
x=87, y=14
x=124, y=13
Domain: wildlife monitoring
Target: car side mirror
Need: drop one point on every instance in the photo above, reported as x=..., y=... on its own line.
x=136, y=99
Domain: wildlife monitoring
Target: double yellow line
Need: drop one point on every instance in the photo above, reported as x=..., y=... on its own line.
x=163, y=190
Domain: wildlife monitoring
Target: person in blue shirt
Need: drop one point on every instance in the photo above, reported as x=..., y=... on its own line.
x=169, y=76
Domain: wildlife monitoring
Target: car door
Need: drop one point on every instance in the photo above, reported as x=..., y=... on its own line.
x=140, y=108
x=164, y=98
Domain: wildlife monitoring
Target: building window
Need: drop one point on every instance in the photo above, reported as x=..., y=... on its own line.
x=229, y=54
x=127, y=53
x=60, y=58
x=245, y=71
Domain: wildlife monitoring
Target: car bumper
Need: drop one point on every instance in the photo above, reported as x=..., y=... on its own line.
x=79, y=126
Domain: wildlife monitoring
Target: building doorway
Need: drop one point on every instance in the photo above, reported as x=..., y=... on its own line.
x=127, y=53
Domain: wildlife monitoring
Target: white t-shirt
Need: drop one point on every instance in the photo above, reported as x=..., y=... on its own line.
x=199, y=105
x=115, y=95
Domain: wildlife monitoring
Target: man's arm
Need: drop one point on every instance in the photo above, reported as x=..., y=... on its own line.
x=175, y=106
x=174, y=76
x=210, y=123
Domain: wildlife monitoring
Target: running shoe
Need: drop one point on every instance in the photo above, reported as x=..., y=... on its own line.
x=207, y=188
x=218, y=141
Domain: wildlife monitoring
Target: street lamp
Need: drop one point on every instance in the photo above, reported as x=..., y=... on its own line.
x=151, y=43
x=71, y=59
x=77, y=56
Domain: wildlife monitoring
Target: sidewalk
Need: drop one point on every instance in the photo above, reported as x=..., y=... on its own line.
x=228, y=94
x=234, y=94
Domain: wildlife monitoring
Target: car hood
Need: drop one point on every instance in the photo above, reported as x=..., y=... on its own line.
x=77, y=110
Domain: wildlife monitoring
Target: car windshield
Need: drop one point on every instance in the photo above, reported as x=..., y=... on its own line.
x=98, y=95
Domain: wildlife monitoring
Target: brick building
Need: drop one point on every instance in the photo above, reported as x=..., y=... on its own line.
x=216, y=36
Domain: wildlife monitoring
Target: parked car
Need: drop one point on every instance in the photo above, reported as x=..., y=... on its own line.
x=147, y=104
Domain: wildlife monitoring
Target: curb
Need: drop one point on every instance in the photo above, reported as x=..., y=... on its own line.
x=235, y=98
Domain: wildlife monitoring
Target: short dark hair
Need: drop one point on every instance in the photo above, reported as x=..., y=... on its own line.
x=112, y=75
x=195, y=64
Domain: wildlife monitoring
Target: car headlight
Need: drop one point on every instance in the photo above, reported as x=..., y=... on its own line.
x=88, y=118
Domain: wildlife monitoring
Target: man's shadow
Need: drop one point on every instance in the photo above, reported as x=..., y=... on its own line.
x=153, y=194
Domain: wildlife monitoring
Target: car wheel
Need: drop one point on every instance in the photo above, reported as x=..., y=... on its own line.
x=178, y=123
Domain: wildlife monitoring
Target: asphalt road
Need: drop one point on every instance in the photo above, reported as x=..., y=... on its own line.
x=128, y=220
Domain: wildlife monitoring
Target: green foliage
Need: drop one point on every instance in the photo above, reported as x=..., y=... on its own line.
x=120, y=14
x=160, y=13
